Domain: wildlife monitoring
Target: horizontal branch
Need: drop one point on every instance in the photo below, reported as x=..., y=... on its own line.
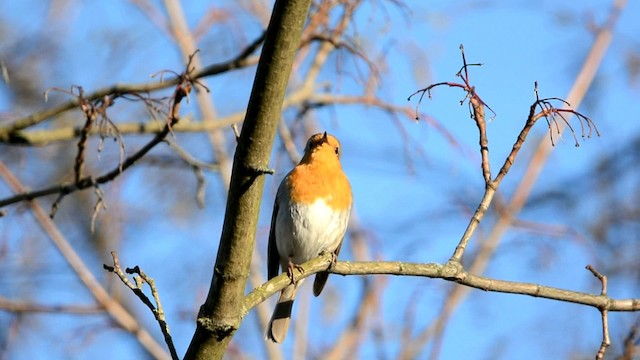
x=243, y=59
x=43, y=137
x=451, y=272
x=86, y=182
x=17, y=306
x=48, y=136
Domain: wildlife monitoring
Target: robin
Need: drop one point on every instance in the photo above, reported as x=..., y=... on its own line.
x=310, y=217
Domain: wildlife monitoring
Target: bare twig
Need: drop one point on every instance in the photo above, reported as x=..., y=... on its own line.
x=115, y=310
x=198, y=169
x=606, y=340
x=100, y=204
x=90, y=114
x=243, y=59
x=477, y=106
x=187, y=45
x=141, y=278
x=551, y=114
x=548, y=111
x=236, y=132
x=92, y=111
x=575, y=96
x=467, y=87
x=180, y=92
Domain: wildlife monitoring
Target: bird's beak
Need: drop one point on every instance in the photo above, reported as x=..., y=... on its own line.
x=325, y=139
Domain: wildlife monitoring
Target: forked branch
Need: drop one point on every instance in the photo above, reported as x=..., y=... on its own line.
x=182, y=90
x=606, y=340
x=547, y=110
x=140, y=278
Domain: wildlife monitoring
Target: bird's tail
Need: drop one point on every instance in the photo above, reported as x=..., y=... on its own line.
x=279, y=324
x=319, y=282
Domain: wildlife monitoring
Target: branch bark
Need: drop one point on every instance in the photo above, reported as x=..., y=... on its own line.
x=219, y=317
x=450, y=272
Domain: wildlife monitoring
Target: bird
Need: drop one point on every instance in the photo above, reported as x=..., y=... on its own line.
x=310, y=216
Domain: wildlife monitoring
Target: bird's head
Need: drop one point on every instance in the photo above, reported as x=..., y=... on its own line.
x=322, y=147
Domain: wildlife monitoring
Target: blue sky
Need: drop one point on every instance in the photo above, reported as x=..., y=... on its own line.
x=412, y=194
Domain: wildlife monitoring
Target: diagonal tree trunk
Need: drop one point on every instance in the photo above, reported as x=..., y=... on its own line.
x=219, y=317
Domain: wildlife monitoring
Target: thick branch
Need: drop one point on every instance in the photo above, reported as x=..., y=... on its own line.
x=219, y=317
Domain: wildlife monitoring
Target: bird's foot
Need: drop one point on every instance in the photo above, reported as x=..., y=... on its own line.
x=334, y=258
x=290, y=267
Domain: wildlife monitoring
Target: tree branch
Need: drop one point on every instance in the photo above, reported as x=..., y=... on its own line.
x=27, y=307
x=454, y=273
x=141, y=278
x=219, y=316
x=606, y=340
x=115, y=310
x=187, y=45
x=243, y=59
x=477, y=105
x=582, y=83
x=181, y=91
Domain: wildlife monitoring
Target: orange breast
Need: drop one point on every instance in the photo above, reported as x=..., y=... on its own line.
x=311, y=181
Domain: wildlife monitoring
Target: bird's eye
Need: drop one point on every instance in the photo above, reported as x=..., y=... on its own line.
x=337, y=150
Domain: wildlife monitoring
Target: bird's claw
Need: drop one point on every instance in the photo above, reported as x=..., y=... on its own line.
x=334, y=258
x=290, y=268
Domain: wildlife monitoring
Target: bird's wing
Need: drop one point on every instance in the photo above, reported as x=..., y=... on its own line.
x=273, y=258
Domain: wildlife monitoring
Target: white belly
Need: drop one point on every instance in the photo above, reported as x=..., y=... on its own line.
x=305, y=231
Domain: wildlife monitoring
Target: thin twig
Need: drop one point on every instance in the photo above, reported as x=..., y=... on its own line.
x=478, y=115
x=115, y=310
x=606, y=340
x=100, y=204
x=180, y=92
x=479, y=264
x=242, y=60
x=157, y=311
x=185, y=41
x=198, y=169
x=90, y=115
